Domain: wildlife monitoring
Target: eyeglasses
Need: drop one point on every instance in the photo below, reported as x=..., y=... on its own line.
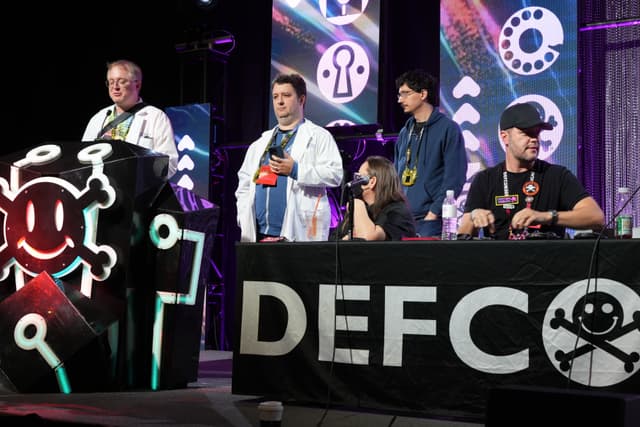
x=361, y=177
x=404, y=93
x=119, y=82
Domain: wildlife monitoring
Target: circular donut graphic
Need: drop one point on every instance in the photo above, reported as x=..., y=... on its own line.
x=529, y=40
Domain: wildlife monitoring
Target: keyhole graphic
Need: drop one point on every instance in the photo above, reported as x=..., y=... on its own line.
x=343, y=59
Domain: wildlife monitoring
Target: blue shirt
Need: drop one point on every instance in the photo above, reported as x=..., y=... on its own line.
x=271, y=201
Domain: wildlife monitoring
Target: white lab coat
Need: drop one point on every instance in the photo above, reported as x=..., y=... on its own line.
x=319, y=167
x=150, y=128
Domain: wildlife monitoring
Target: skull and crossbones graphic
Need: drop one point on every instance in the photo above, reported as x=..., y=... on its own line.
x=50, y=225
x=598, y=319
x=591, y=331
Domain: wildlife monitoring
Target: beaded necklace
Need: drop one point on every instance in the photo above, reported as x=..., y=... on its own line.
x=530, y=189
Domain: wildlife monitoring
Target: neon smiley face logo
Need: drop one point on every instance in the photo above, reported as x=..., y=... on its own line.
x=45, y=226
x=30, y=220
x=50, y=225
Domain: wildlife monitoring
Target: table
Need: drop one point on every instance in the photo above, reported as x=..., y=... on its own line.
x=430, y=327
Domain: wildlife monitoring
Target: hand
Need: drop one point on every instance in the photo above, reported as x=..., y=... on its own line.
x=281, y=166
x=527, y=217
x=483, y=218
x=430, y=216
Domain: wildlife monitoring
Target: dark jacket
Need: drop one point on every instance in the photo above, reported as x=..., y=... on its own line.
x=441, y=162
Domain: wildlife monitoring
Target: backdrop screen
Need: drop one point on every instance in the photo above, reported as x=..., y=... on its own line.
x=494, y=53
x=192, y=131
x=334, y=45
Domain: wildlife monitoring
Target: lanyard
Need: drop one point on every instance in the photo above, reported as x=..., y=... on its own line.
x=530, y=189
x=411, y=134
x=409, y=174
x=285, y=140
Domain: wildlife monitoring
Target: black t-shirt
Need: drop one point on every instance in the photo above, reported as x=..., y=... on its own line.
x=559, y=190
x=395, y=219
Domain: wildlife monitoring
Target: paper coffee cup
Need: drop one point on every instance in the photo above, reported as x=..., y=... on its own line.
x=270, y=413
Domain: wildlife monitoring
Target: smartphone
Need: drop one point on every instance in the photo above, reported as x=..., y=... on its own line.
x=276, y=151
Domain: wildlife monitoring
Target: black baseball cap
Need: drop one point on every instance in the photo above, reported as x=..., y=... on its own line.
x=522, y=116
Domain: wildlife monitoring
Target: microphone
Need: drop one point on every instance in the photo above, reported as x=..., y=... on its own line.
x=358, y=181
x=101, y=131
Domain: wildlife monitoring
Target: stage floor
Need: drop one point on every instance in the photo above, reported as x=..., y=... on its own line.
x=207, y=402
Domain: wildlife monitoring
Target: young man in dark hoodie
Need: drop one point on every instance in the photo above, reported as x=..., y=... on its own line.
x=430, y=155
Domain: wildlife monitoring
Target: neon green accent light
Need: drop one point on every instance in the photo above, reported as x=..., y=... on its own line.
x=63, y=380
x=163, y=297
x=37, y=342
x=156, y=344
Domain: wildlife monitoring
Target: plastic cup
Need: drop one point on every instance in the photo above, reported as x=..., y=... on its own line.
x=311, y=223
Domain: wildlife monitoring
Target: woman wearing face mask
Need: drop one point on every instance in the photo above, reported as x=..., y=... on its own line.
x=380, y=209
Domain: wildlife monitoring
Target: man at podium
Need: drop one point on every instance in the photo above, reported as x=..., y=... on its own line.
x=130, y=119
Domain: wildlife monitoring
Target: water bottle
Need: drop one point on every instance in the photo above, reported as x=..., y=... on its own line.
x=449, y=217
x=624, y=220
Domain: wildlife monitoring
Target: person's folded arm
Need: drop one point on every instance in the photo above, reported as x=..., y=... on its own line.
x=363, y=226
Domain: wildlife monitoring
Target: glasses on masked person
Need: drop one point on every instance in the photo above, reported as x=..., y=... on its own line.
x=361, y=178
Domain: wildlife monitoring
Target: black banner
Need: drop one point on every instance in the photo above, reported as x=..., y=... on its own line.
x=431, y=327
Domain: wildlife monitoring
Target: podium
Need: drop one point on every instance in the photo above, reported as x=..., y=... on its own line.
x=86, y=223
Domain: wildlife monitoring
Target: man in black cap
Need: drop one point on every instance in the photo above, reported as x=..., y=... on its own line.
x=524, y=195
